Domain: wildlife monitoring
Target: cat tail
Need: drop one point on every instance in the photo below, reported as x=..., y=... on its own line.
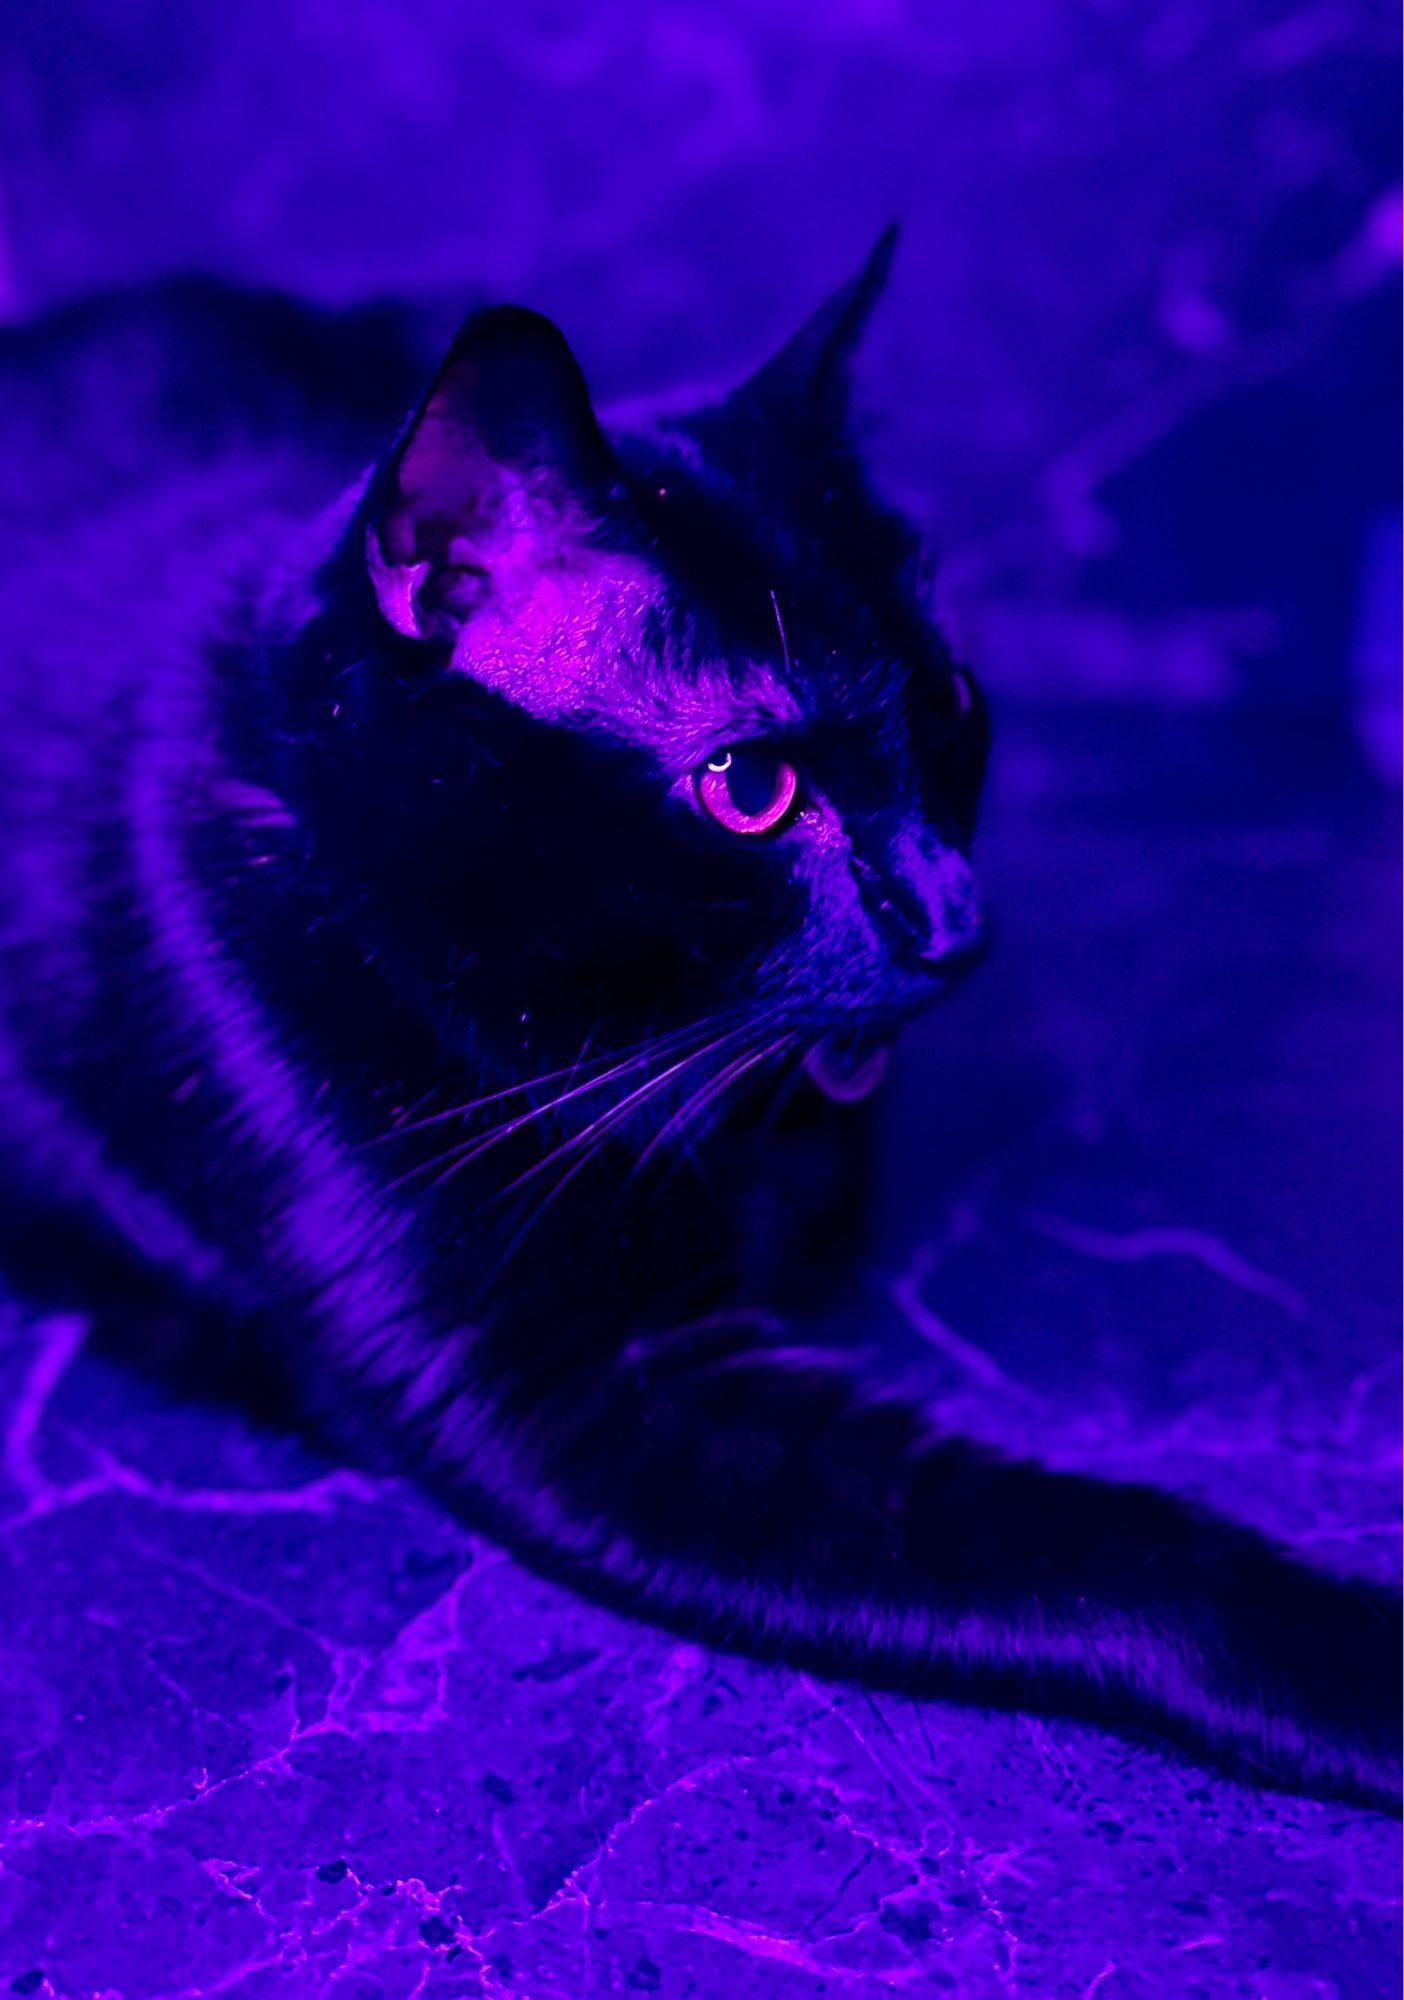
x=767, y=1500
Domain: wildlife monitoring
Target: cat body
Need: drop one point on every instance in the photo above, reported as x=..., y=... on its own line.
x=417, y=880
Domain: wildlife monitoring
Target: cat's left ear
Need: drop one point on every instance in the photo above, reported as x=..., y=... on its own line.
x=806, y=385
x=502, y=469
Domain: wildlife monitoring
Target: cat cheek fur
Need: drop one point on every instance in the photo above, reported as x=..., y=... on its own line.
x=836, y=962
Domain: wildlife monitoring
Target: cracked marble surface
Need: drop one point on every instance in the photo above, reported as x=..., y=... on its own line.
x=272, y=1729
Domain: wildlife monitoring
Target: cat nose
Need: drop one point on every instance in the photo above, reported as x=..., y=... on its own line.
x=927, y=910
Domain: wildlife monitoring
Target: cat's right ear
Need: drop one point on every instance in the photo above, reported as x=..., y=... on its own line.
x=805, y=387
x=500, y=472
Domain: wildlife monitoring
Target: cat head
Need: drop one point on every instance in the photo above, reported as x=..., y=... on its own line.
x=627, y=727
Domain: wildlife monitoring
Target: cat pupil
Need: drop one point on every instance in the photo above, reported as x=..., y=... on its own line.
x=751, y=778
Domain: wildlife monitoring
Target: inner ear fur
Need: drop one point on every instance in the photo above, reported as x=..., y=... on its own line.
x=503, y=456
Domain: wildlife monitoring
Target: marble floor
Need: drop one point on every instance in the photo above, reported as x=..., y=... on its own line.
x=271, y=1729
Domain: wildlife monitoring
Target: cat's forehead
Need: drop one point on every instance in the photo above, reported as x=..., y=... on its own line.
x=711, y=620
x=810, y=573
x=599, y=641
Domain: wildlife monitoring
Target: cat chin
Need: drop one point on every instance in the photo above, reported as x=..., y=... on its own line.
x=847, y=1067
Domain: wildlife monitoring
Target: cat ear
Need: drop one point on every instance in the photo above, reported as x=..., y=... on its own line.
x=807, y=383
x=501, y=468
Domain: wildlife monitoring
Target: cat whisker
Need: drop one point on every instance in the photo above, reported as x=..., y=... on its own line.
x=466, y=1150
x=780, y=627
x=619, y=1113
x=595, y=1135
x=648, y=1047
x=593, y=1138
x=676, y=1126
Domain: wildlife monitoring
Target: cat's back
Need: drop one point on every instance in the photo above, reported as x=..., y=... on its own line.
x=106, y=396
x=153, y=444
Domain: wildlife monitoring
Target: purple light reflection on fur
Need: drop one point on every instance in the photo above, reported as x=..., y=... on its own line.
x=275, y=1728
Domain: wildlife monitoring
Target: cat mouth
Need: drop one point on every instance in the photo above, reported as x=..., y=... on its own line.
x=847, y=1067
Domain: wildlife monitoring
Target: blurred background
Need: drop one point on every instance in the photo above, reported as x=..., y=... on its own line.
x=1139, y=1191
x=1138, y=371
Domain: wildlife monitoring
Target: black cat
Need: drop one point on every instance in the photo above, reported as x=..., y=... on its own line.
x=388, y=903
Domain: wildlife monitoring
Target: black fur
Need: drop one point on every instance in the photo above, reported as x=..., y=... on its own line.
x=316, y=834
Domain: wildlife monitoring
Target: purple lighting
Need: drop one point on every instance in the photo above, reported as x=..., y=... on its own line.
x=425, y=1655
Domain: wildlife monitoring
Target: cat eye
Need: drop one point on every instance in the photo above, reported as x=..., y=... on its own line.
x=746, y=787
